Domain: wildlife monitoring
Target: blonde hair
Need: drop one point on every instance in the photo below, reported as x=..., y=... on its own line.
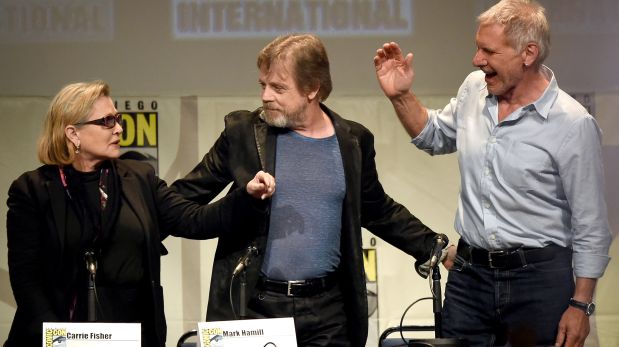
x=308, y=57
x=71, y=105
x=524, y=21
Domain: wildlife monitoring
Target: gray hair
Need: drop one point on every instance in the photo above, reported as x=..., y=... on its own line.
x=524, y=22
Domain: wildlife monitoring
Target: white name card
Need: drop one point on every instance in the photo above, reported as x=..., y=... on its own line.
x=273, y=332
x=59, y=334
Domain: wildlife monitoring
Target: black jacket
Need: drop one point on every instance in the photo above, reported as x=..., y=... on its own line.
x=247, y=145
x=36, y=222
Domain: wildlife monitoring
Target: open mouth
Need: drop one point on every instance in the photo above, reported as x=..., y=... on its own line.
x=490, y=75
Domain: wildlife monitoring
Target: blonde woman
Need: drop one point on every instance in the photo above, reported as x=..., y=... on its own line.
x=83, y=205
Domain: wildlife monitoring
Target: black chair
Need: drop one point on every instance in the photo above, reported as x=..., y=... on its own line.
x=182, y=341
x=384, y=341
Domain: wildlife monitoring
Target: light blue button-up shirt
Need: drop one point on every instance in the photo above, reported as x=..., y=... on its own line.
x=532, y=180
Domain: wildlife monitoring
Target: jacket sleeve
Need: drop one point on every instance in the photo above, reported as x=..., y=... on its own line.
x=384, y=217
x=209, y=177
x=26, y=240
x=184, y=218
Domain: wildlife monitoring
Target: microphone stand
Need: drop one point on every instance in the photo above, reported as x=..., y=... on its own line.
x=92, y=314
x=242, y=293
x=240, y=270
x=91, y=266
x=437, y=300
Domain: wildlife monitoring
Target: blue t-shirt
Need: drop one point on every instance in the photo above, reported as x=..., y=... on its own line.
x=306, y=209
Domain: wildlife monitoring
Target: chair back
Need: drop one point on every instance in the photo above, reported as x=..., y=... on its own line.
x=182, y=341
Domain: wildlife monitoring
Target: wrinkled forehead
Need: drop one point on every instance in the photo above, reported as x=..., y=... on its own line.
x=491, y=34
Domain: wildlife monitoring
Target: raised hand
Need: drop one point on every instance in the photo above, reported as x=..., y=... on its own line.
x=394, y=71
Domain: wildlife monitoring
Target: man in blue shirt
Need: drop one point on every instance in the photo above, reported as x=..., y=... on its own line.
x=531, y=212
x=308, y=262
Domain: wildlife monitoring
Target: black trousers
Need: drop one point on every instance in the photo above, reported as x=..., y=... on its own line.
x=319, y=320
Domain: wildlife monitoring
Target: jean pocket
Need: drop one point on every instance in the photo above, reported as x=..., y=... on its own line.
x=459, y=263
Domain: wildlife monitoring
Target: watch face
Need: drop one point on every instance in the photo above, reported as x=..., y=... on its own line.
x=590, y=309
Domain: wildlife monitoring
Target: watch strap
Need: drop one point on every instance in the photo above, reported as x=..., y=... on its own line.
x=587, y=307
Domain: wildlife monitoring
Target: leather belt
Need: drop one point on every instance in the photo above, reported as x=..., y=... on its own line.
x=300, y=288
x=507, y=259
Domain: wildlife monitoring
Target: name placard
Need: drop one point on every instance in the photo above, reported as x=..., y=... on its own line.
x=58, y=334
x=273, y=332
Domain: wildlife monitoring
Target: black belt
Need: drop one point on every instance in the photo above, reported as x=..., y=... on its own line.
x=301, y=288
x=507, y=259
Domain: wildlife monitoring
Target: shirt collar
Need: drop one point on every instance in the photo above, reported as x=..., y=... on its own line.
x=543, y=104
x=547, y=99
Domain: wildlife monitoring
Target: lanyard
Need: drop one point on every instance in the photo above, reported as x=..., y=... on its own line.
x=102, y=185
x=103, y=197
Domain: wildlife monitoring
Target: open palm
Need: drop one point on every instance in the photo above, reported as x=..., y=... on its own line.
x=394, y=71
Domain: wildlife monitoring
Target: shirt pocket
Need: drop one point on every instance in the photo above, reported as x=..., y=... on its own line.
x=525, y=166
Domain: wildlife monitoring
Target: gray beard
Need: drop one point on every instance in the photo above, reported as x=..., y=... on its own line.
x=288, y=121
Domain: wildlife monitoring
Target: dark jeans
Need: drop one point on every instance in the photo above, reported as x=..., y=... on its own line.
x=319, y=320
x=521, y=306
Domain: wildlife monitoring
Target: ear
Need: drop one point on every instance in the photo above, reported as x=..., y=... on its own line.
x=530, y=54
x=72, y=134
x=313, y=94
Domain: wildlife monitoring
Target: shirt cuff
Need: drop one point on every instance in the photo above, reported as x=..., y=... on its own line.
x=419, y=139
x=590, y=265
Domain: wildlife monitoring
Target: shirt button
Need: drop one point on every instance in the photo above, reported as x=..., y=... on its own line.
x=486, y=204
x=492, y=139
x=492, y=237
x=487, y=171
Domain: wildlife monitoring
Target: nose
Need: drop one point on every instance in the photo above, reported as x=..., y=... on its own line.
x=118, y=127
x=267, y=94
x=479, y=59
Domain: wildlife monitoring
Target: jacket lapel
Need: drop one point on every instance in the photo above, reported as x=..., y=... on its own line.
x=58, y=203
x=265, y=139
x=130, y=189
x=350, y=152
